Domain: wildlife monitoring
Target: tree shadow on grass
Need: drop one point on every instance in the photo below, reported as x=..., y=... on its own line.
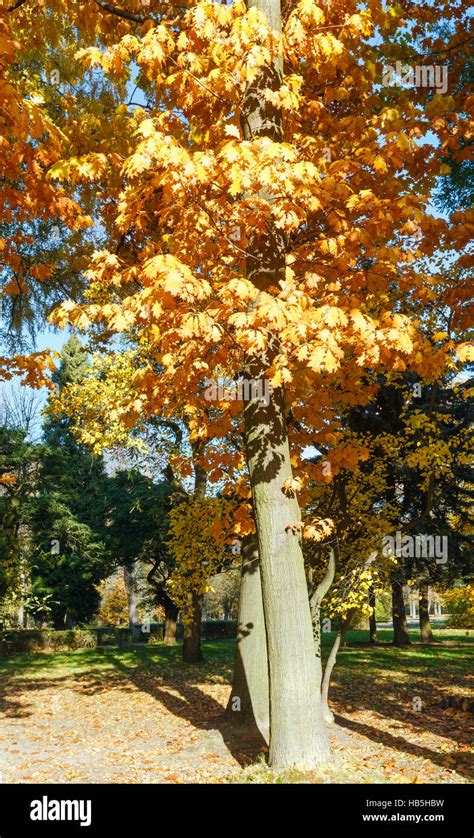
x=200, y=709
x=374, y=685
x=176, y=689
x=397, y=703
x=20, y=708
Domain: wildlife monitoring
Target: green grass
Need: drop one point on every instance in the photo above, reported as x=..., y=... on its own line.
x=452, y=652
x=379, y=680
x=385, y=635
x=166, y=660
x=219, y=656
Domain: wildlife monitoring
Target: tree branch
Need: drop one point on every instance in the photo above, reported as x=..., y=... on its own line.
x=321, y=590
x=16, y=5
x=327, y=580
x=113, y=10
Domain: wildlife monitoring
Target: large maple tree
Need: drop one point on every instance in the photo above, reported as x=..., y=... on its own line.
x=267, y=214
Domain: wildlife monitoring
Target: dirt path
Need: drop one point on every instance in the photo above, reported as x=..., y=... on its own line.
x=116, y=727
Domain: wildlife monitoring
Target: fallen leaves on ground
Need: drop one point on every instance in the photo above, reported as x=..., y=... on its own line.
x=135, y=721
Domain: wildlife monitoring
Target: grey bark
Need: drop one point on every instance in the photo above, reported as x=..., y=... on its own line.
x=297, y=731
x=315, y=600
x=327, y=713
x=248, y=705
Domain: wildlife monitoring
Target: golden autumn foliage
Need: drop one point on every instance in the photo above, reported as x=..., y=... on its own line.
x=201, y=533
x=345, y=194
x=114, y=603
x=459, y=603
x=183, y=188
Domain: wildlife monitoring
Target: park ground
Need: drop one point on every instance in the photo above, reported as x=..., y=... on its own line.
x=142, y=716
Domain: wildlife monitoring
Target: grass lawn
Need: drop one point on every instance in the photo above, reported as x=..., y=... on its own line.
x=141, y=715
x=455, y=645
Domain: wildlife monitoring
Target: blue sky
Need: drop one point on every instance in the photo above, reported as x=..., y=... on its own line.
x=49, y=339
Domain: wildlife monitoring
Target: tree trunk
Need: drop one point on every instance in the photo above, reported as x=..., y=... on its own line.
x=425, y=626
x=21, y=607
x=298, y=735
x=193, y=618
x=69, y=621
x=170, y=608
x=400, y=627
x=372, y=618
x=171, y=619
x=317, y=644
x=130, y=583
x=192, y=631
x=21, y=616
x=248, y=705
x=316, y=597
x=59, y=621
x=327, y=713
x=297, y=731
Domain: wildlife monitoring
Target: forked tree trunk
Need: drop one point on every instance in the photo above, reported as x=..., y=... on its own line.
x=425, y=625
x=248, y=705
x=192, y=631
x=351, y=616
x=400, y=626
x=372, y=618
x=297, y=731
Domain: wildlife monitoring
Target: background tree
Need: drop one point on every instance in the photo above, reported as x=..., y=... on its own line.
x=68, y=524
x=137, y=522
x=19, y=463
x=222, y=597
x=68, y=561
x=114, y=601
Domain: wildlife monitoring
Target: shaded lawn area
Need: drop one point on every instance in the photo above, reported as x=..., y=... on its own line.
x=141, y=715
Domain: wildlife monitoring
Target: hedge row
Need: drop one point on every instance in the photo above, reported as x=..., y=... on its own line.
x=25, y=641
